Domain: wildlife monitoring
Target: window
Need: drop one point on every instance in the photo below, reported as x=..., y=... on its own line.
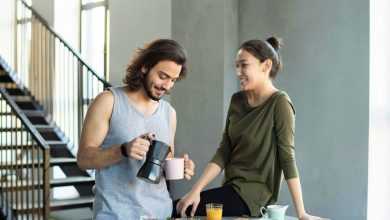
x=379, y=139
x=94, y=20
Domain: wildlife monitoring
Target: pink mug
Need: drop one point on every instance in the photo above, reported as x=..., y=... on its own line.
x=174, y=168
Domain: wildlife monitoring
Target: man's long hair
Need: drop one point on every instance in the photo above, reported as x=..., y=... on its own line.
x=150, y=55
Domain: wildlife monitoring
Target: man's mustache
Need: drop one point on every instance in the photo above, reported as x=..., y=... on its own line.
x=166, y=91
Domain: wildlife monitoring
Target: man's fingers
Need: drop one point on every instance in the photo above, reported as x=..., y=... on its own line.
x=143, y=142
x=187, y=177
x=189, y=164
x=186, y=157
x=189, y=171
x=150, y=136
x=136, y=156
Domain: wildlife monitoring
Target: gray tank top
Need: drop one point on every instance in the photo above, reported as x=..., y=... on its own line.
x=119, y=193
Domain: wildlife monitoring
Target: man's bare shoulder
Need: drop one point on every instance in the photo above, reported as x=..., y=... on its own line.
x=105, y=97
x=103, y=103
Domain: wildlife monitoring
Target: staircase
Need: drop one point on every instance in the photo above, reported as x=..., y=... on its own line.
x=60, y=153
x=45, y=90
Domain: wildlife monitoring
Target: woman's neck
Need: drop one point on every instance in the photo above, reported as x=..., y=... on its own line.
x=260, y=94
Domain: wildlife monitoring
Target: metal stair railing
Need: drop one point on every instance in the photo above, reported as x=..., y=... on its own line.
x=21, y=143
x=53, y=72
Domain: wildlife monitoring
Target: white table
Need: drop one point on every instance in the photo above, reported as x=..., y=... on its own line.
x=242, y=218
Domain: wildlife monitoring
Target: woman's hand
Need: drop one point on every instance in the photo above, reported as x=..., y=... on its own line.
x=191, y=198
x=306, y=216
x=189, y=167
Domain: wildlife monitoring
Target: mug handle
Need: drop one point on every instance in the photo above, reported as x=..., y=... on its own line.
x=262, y=209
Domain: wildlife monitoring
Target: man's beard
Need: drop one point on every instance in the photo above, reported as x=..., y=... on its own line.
x=148, y=89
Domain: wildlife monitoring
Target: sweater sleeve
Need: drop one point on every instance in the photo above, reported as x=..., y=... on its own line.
x=223, y=153
x=221, y=157
x=285, y=129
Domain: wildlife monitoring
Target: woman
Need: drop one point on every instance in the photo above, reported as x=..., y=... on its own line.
x=258, y=142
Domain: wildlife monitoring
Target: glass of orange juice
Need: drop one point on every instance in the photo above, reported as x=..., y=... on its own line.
x=214, y=211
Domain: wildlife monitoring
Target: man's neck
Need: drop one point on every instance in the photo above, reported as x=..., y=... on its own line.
x=140, y=97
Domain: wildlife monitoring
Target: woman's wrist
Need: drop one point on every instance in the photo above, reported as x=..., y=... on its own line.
x=301, y=214
x=196, y=189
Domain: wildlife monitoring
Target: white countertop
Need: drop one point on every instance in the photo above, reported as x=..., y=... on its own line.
x=238, y=218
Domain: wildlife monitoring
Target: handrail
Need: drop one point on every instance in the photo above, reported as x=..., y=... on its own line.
x=56, y=76
x=26, y=122
x=44, y=22
x=25, y=143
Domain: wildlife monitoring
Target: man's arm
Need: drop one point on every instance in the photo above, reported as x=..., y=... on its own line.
x=95, y=128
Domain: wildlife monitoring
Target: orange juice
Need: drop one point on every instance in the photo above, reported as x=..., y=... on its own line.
x=214, y=211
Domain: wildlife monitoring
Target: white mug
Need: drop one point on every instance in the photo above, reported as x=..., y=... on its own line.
x=174, y=168
x=275, y=212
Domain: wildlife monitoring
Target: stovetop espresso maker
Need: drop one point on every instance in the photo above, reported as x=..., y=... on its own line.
x=151, y=170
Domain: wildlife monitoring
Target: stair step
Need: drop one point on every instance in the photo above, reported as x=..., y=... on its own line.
x=57, y=144
x=34, y=113
x=15, y=91
x=38, y=120
x=22, y=98
x=60, y=161
x=68, y=181
x=50, y=135
x=25, y=105
x=5, y=79
x=85, y=201
x=45, y=128
x=63, y=161
x=72, y=181
x=57, y=204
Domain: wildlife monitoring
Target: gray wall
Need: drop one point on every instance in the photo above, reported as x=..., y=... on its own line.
x=208, y=30
x=46, y=9
x=326, y=61
x=326, y=73
x=132, y=24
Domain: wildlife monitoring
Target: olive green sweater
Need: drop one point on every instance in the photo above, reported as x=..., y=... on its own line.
x=256, y=147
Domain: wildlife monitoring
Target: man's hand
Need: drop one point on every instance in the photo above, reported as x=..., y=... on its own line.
x=189, y=167
x=138, y=147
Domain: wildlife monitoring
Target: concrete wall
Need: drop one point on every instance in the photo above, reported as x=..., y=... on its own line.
x=208, y=30
x=326, y=73
x=133, y=23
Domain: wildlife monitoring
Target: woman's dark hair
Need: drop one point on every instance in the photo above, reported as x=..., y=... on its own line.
x=150, y=55
x=264, y=50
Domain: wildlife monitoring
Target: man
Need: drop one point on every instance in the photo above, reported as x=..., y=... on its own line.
x=111, y=139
